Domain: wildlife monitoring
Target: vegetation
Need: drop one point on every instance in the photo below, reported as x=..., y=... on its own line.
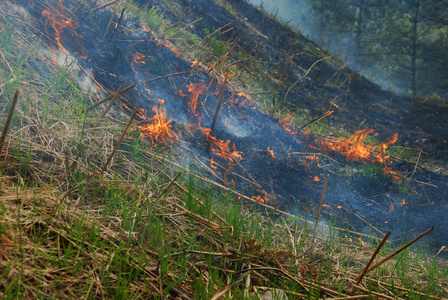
x=73, y=226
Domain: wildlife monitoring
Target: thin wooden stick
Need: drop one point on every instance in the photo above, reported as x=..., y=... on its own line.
x=169, y=75
x=168, y=186
x=110, y=21
x=360, y=277
x=317, y=119
x=111, y=96
x=399, y=250
x=105, y=5
x=8, y=120
x=110, y=103
x=221, y=96
x=321, y=201
x=413, y=172
x=120, y=140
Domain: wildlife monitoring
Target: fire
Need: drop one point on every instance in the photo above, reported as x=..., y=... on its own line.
x=240, y=101
x=316, y=178
x=213, y=164
x=222, y=149
x=391, y=208
x=159, y=129
x=58, y=22
x=362, y=242
x=403, y=202
x=138, y=58
x=196, y=64
x=286, y=124
x=355, y=148
x=271, y=153
x=195, y=90
x=261, y=199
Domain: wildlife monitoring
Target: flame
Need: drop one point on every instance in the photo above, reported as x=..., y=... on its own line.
x=391, y=208
x=138, y=58
x=271, y=153
x=222, y=149
x=362, y=242
x=355, y=148
x=316, y=178
x=196, y=64
x=286, y=123
x=403, y=202
x=261, y=199
x=195, y=90
x=213, y=164
x=58, y=22
x=159, y=129
x=240, y=101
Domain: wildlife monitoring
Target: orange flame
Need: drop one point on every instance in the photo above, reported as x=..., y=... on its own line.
x=159, y=129
x=195, y=90
x=355, y=148
x=403, y=202
x=316, y=178
x=391, y=208
x=261, y=199
x=271, y=153
x=286, y=124
x=58, y=22
x=138, y=58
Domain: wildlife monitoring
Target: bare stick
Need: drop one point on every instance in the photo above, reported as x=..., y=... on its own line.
x=111, y=96
x=321, y=201
x=221, y=96
x=317, y=119
x=8, y=120
x=360, y=277
x=169, y=75
x=110, y=104
x=413, y=172
x=110, y=21
x=399, y=250
x=168, y=186
x=120, y=140
x=105, y=5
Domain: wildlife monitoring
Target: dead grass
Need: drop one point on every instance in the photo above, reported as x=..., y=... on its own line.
x=137, y=232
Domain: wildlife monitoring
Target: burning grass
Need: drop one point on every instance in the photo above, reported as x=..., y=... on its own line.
x=136, y=231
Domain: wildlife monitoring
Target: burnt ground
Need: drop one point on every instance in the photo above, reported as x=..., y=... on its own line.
x=366, y=197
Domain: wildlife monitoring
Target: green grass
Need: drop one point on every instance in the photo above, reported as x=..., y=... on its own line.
x=72, y=233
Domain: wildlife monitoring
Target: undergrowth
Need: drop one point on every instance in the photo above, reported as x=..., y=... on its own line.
x=139, y=231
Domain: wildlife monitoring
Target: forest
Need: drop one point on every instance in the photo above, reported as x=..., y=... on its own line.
x=402, y=45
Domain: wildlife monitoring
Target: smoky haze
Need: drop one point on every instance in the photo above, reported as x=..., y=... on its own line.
x=399, y=45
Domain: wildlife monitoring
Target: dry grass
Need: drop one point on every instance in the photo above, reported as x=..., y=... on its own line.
x=138, y=232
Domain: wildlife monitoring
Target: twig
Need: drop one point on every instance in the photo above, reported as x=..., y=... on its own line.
x=301, y=78
x=399, y=250
x=361, y=276
x=110, y=21
x=120, y=140
x=169, y=75
x=111, y=96
x=321, y=201
x=110, y=104
x=105, y=5
x=221, y=96
x=168, y=186
x=8, y=120
x=317, y=119
x=413, y=172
